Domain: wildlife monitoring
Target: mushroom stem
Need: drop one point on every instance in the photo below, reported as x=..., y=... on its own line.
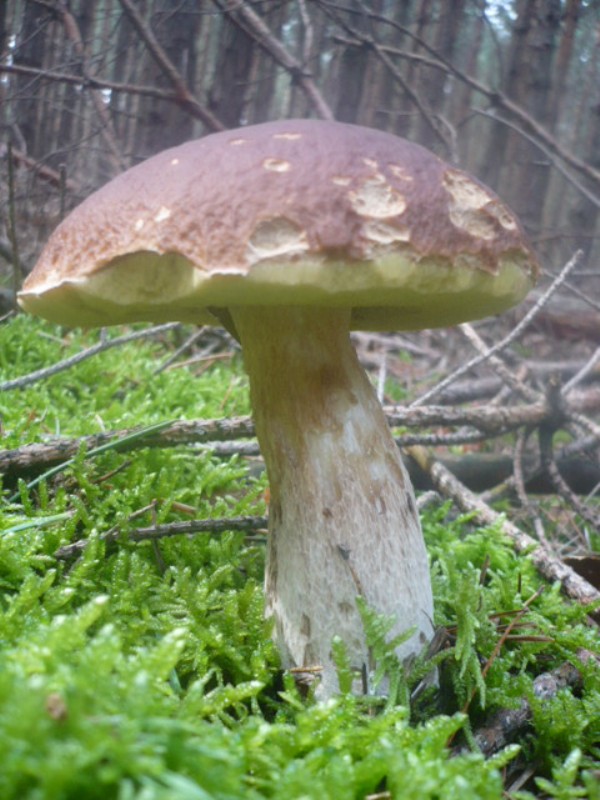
x=343, y=520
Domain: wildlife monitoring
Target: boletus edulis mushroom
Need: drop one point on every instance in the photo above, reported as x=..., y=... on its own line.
x=291, y=234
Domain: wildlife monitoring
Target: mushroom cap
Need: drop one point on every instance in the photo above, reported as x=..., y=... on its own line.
x=294, y=212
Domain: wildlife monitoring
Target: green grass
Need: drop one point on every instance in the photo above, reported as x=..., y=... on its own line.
x=146, y=671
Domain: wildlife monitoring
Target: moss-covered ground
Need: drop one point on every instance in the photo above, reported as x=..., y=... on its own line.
x=145, y=670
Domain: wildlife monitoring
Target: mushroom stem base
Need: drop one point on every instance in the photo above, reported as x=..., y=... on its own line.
x=343, y=520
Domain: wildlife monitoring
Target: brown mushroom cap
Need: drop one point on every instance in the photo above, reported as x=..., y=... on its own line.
x=295, y=212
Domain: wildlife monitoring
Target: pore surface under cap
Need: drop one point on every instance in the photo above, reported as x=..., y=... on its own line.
x=295, y=212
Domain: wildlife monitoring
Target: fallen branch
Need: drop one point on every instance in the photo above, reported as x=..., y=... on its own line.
x=547, y=564
x=83, y=355
x=490, y=420
x=154, y=532
x=506, y=723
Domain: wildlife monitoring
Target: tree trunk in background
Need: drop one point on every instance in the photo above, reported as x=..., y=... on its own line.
x=434, y=84
x=353, y=68
x=30, y=51
x=394, y=109
x=529, y=170
x=471, y=50
x=584, y=217
x=166, y=124
x=564, y=54
x=235, y=74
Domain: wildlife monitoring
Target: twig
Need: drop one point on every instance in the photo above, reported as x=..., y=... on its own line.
x=189, y=342
x=511, y=337
x=506, y=723
x=519, y=484
x=94, y=82
x=44, y=172
x=171, y=529
x=588, y=367
x=545, y=436
x=551, y=567
x=67, y=363
x=112, y=445
x=497, y=364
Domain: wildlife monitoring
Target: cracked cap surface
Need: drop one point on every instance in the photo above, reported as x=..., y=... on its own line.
x=294, y=212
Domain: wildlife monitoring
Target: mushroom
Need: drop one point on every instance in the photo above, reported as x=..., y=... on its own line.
x=291, y=234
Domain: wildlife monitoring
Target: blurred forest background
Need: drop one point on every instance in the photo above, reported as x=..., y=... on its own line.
x=507, y=90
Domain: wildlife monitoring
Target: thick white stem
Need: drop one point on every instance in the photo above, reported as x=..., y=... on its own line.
x=343, y=520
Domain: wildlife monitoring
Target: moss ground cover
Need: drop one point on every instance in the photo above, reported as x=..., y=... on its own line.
x=146, y=670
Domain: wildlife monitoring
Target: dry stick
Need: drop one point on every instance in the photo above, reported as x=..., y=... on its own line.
x=557, y=412
x=492, y=421
x=510, y=338
x=184, y=95
x=67, y=363
x=506, y=723
x=252, y=24
x=497, y=364
x=578, y=293
x=165, y=434
x=578, y=447
x=155, y=532
x=545, y=434
x=519, y=484
x=182, y=432
x=189, y=343
x=551, y=567
x=94, y=82
x=45, y=173
x=582, y=373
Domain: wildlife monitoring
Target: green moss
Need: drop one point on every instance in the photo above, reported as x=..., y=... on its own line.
x=146, y=671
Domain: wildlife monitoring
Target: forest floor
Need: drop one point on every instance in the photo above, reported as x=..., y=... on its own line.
x=136, y=660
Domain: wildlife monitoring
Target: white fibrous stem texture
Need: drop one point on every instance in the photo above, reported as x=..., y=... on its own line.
x=342, y=517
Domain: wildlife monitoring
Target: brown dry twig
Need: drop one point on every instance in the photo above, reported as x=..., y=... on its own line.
x=83, y=355
x=154, y=532
x=506, y=723
x=489, y=420
x=551, y=567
